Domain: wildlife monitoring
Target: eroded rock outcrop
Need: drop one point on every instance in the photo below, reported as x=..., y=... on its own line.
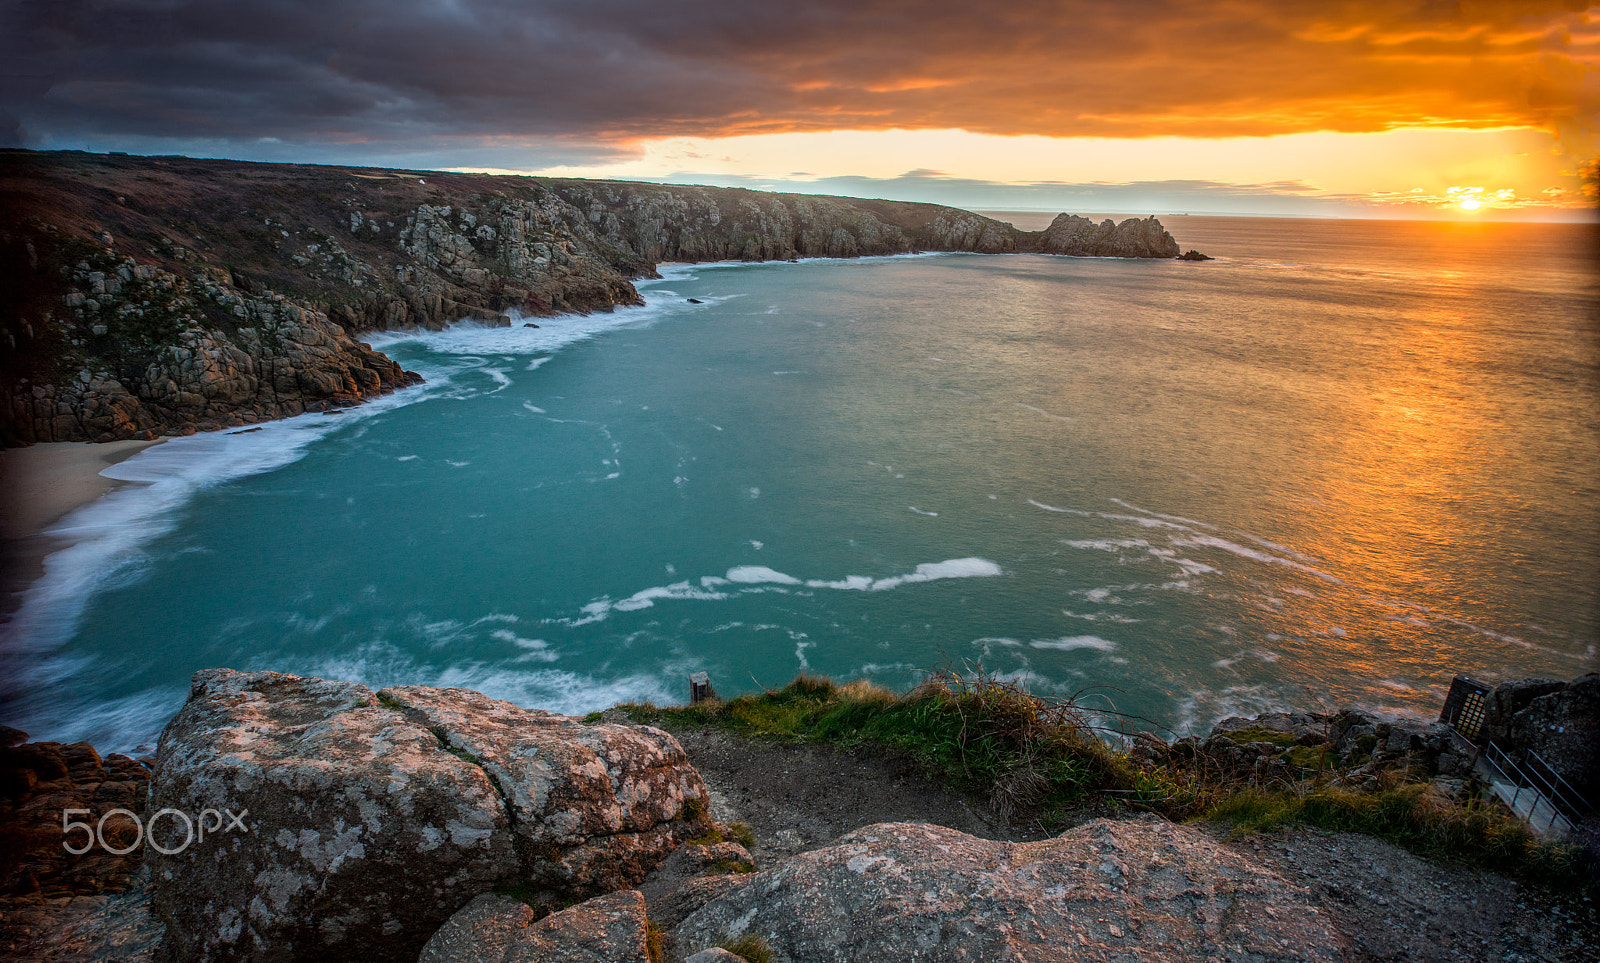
x=1138, y=890
x=166, y=295
x=366, y=820
x=166, y=354
x=1558, y=720
x=44, y=785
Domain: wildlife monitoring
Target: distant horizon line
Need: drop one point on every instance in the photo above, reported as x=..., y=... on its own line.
x=1550, y=215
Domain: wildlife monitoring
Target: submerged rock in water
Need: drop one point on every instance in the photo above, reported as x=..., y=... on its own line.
x=365, y=821
x=1139, y=890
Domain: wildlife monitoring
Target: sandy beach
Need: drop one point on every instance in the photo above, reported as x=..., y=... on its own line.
x=40, y=485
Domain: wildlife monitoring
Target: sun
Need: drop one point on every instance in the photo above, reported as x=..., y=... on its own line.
x=1471, y=204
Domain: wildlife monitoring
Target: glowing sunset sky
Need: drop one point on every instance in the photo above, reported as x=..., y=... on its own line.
x=1366, y=108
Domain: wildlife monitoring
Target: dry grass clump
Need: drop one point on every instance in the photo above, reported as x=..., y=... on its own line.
x=1040, y=758
x=751, y=949
x=1031, y=755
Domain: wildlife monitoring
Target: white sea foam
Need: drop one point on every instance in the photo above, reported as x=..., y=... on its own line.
x=997, y=640
x=378, y=665
x=552, y=335
x=1072, y=642
x=106, y=535
x=1064, y=511
x=1171, y=518
x=933, y=571
x=850, y=583
x=1213, y=541
x=129, y=724
x=759, y=578
x=1189, y=566
x=677, y=590
x=537, y=650
x=921, y=512
x=1116, y=617
x=759, y=574
x=1114, y=545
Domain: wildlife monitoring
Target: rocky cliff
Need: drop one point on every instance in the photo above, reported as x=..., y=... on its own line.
x=164, y=295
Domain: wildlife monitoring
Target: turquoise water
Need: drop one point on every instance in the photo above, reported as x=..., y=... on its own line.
x=1339, y=464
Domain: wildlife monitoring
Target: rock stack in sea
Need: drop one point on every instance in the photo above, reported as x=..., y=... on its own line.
x=168, y=295
x=1081, y=237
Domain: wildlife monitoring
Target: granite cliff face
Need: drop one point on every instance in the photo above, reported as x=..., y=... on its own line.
x=147, y=296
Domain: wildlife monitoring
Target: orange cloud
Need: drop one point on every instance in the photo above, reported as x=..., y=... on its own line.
x=617, y=71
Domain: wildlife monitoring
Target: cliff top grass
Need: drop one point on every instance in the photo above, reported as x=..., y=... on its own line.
x=1043, y=759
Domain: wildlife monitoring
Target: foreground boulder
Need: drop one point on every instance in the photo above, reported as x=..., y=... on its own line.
x=351, y=825
x=498, y=929
x=1141, y=890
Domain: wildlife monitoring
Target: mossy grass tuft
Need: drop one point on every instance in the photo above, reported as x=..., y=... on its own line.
x=981, y=733
x=1043, y=759
x=752, y=949
x=654, y=943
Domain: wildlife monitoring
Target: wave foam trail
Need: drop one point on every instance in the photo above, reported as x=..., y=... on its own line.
x=380, y=664
x=747, y=579
x=1041, y=411
x=106, y=534
x=759, y=574
x=1212, y=541
x=553, y=334
x=1070, y=643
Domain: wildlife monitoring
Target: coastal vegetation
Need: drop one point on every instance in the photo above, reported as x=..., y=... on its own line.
x=1054, y=762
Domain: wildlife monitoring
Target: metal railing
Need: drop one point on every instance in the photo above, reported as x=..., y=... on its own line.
x=1542, y=784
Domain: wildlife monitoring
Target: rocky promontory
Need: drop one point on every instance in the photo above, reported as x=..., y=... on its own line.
x=150, y=296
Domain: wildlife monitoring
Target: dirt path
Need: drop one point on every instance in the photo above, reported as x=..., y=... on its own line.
x=1389, y=904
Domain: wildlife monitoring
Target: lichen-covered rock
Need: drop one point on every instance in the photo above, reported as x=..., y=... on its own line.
x=359, y=834
x=481, y=930
x=592, y=807
x=364, y=824
x=1140, y=890
x=498, y=929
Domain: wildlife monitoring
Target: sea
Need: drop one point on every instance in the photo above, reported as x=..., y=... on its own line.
x=1338, y=465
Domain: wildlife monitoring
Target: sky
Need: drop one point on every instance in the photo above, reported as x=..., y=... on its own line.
x=1353, y=108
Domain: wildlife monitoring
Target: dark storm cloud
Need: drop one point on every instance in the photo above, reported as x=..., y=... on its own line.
x=493, y=75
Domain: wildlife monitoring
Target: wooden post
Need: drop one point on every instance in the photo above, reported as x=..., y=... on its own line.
x=700, y=689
